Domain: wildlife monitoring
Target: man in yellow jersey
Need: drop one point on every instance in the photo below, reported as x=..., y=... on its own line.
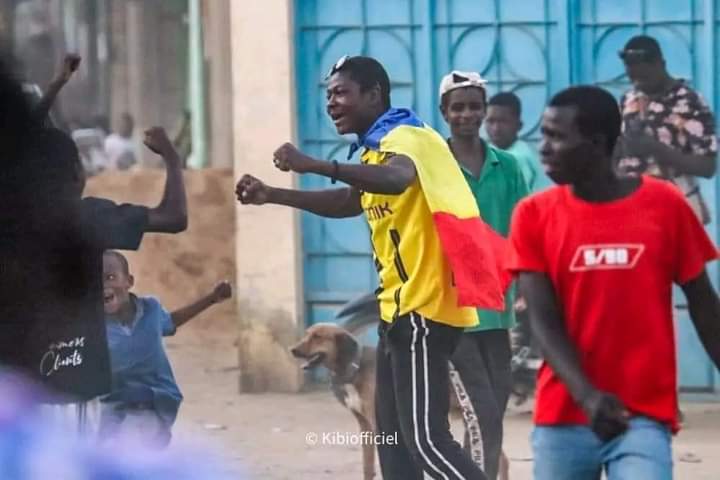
x=430, y=254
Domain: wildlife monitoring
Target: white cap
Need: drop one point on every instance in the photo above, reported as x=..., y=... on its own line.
x=458, y=79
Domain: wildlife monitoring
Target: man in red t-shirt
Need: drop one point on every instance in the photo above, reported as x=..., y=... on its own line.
x=596, y=257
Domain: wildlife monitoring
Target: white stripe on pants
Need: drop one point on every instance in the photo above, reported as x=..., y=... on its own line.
x=419, y=359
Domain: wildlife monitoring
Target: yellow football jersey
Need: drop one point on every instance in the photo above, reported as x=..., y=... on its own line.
x=414, y=274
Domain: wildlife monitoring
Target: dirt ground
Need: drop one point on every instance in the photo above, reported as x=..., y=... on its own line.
x=264, y=436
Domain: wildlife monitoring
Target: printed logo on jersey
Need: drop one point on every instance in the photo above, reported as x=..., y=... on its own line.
x=606, y=257
x=378, y=212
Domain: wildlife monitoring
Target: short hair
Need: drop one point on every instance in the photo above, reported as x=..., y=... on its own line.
x=645, y=44
x=124, y=264
x=507, y=100
x=597, y=111
x=368, y=72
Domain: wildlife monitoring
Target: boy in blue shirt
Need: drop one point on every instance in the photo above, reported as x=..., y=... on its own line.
x=145, y=398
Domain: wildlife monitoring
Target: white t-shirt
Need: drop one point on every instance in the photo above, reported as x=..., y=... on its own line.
x=120, y=151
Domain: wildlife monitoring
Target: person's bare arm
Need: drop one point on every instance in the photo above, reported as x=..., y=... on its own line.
x=222, y=292
x=683, y=163
x=689, y=164
x=70, y=64
x=607, y=414
x=704, y=307
x=331, y=203
x=170, y=216
x=392, y=178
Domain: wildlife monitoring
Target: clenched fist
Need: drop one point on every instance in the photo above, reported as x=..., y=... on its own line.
x=156, y=139
x=70, y=64
x=608, y=416
x=251, y=191
x=222, y=292
x=289, y=159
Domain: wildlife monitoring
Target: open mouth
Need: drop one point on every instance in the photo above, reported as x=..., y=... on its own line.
x=337, y=117
x=313, y=361
x=108, y=297
x=549, y=166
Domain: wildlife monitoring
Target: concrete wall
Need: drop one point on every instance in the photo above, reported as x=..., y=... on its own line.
x=218, y=61
x=268, y=254
x=179, y=269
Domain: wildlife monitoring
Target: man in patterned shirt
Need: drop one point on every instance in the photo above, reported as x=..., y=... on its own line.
x=668, y=129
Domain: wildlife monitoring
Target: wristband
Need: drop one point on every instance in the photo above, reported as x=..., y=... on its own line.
x=336, y=167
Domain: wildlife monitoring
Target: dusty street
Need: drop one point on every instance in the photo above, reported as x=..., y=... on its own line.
x=264, y=436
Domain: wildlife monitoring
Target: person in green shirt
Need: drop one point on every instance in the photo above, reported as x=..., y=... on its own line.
x=502, y=124
x=480, y=366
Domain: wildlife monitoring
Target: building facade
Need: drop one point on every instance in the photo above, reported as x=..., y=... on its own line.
x=281, y=50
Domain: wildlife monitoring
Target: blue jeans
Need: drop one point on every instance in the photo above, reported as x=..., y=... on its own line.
x=576, y=453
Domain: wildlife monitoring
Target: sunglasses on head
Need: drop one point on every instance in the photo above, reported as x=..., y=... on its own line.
x=338, y=66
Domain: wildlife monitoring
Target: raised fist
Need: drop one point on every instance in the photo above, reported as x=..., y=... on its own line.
x=251, y=191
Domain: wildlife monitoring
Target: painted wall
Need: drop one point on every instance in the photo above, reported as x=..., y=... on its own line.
x=267, y=250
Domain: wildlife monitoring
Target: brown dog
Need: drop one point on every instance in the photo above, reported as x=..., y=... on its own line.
x=352, y=376
x=352, y=380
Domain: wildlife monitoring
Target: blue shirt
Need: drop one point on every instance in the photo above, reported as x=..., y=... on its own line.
x=138, y=358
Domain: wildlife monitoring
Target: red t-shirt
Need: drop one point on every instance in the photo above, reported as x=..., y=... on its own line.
x=612, y=265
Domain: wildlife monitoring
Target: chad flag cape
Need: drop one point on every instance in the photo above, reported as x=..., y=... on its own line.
x=474, y=251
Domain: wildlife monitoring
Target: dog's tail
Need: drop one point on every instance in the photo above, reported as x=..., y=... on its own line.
x=359, y=315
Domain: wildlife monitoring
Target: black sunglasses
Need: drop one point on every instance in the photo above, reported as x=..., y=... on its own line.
x=632, y=55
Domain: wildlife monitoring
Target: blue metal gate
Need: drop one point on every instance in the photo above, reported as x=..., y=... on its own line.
x=533, y=47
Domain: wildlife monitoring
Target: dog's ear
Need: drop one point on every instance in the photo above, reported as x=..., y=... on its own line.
x=347, y=349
